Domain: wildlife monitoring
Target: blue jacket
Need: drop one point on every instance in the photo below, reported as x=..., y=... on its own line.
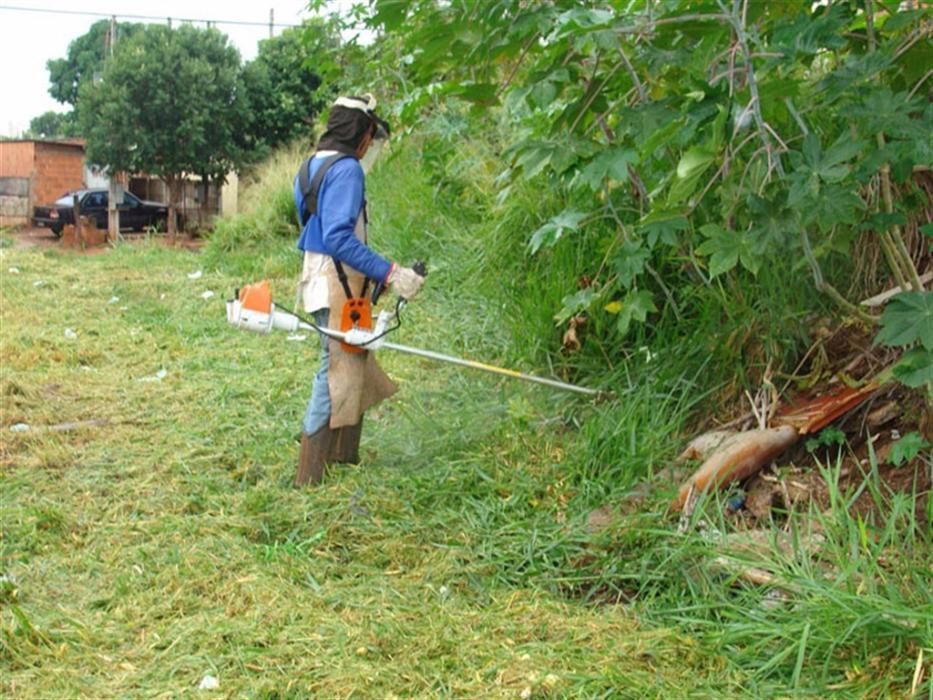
x=330, y=230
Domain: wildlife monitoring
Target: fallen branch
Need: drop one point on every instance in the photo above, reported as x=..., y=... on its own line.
x=736, y=459
x=882, y=298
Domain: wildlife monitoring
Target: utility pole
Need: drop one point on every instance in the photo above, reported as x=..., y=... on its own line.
x=113, y=214
x=271, y=21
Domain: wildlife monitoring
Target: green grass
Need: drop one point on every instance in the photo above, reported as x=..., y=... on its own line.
x=168, y=543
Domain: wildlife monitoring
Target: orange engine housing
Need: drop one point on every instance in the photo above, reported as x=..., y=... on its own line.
x=257, y=297
x=357, y=313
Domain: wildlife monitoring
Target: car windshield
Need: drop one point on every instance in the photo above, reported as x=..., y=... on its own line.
x=66, y=199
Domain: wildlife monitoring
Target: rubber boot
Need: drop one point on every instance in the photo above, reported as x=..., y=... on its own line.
x=345, y=448
x=313, y=458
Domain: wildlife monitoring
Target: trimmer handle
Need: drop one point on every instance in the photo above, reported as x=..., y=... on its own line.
x=380, y=287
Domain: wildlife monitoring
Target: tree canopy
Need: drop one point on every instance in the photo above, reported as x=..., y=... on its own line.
x=85, y=59
x=169, y=102
x=284, y=85
x=53, y=124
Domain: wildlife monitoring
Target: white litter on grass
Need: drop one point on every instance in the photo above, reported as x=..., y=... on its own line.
x=298, y=337
x=20, y=428
x=209, y=683
x=38, y=283
x=195, y=275
x=207, y=295
x=113, y=300
x=14, y=270
x=161, y=296
x=157, y=377
x=70, y=334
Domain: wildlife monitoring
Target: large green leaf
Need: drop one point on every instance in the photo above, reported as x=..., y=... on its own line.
x=915, y=368
x=630, y=262
x=612, y=163
x=690, y=169
x=726, y=249
x=663, y=225
x=907, y=319
x=635, y=307
x=573, y=304
x=552, y=231
x=837, y=205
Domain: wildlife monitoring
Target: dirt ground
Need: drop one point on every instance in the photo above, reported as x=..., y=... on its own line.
x=33, y=237
x=38, y=237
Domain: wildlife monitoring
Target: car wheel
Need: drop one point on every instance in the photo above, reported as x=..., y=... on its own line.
x=57, y=230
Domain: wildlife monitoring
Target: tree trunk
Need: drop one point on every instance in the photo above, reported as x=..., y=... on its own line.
x=172, y=224
x=205, y=196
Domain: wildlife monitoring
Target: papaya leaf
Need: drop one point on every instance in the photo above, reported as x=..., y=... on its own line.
x=908, y=447
x=907, y=319
x=482, y=93
x=612, y=163
x=903, y=19
x=390, y=14
x=836, y=205
x=635, y=307
x=583, y=18
x=554, y=229
x=663, y=225
x=803, y=185
x=882, y=221
x=659, y=137
x=830, y=165
x=775, y=225
x=915, y=368
x=630, y=262
x=535, y=156
x=726, y=249
x=573, y=304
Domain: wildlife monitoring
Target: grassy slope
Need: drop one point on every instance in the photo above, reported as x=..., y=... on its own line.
x=169, y=545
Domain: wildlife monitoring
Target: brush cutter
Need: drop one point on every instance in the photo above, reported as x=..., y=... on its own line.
x=252, y=308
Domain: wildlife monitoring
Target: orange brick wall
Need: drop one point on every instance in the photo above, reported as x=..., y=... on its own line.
x=16, y=158
x=58, y=168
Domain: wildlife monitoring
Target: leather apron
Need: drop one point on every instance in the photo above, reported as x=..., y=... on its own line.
x=355, y=380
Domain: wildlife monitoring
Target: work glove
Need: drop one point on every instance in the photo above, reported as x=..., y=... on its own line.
x=405, y=282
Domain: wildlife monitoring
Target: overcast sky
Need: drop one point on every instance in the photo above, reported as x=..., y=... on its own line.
x=28, y=39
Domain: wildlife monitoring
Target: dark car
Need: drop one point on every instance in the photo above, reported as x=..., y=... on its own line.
x=135, y=214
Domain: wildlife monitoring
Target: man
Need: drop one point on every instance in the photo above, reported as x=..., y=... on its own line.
x=339, y=265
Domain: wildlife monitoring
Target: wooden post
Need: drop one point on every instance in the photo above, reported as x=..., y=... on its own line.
x=76, y=213
x=113, y=214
